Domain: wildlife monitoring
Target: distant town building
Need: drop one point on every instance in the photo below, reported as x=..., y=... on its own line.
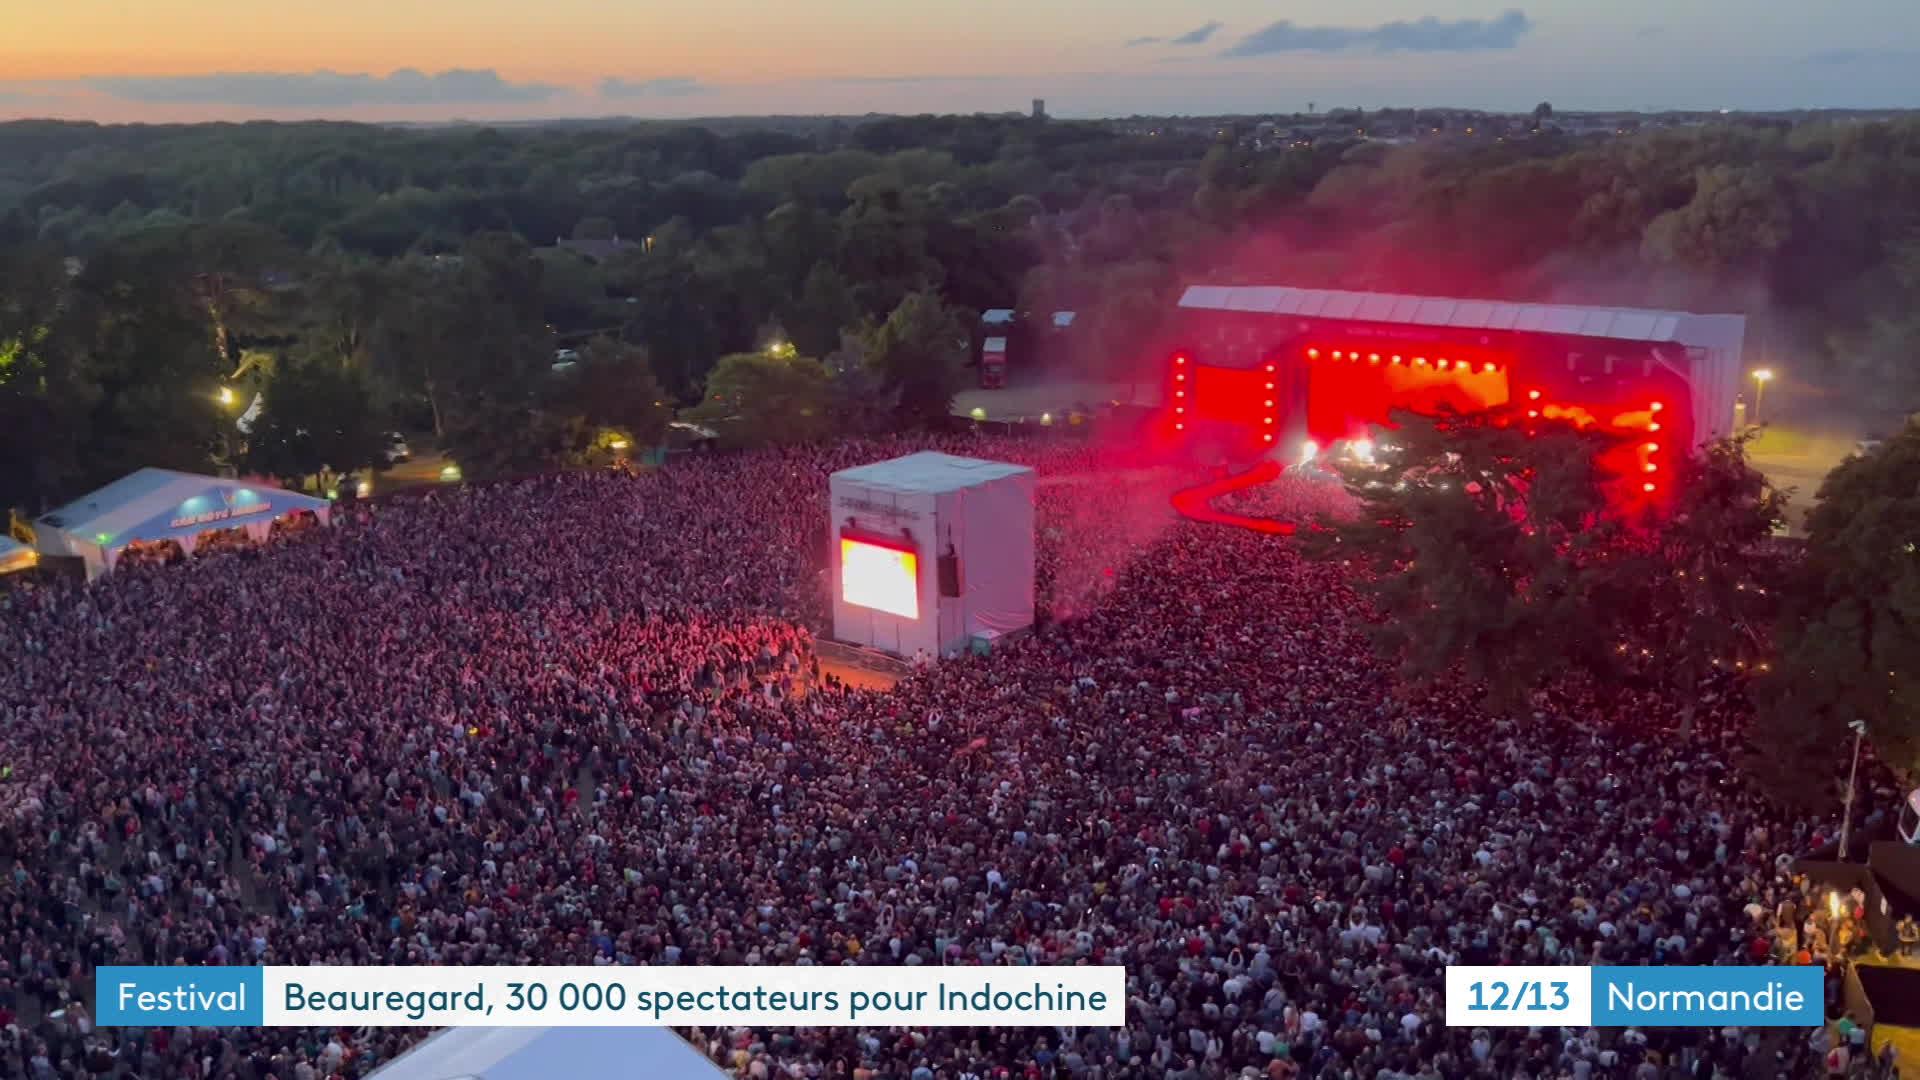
x=1039, y=108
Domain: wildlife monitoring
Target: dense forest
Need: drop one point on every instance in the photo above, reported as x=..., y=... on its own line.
x=153, y=280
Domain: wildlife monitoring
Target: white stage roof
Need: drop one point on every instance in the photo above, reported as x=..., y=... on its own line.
x=928, y=472
x=1617, y=324
x=551, y=1054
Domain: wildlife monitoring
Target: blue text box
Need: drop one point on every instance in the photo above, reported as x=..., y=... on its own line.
x=1709, y=996
x=178, y=996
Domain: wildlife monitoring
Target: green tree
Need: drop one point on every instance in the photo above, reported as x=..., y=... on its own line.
x=1737, y=219
x=1849, y=638
x=758, y=399
x=920, y=353
x=823, y=310
x=1498, y=550
x=861, y=403
x=231, y=269
x=420, y=337
x=319, y=420
x=674, y=318
x=883, y=245
x=1476, y=537
x=610, y=395
x=497, y=417
x=45, y=395
x=573, y=291
x=136, y=317
x=819, y=180
x=344, y=300
x=1693, y=595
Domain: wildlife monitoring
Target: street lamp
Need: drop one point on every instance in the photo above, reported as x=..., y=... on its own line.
x=1761, y=377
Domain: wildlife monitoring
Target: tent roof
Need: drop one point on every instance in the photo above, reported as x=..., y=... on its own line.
x=929, y=473
x=545, y=1053
x=1618, y=324
x=146, y=505
x=13, y=551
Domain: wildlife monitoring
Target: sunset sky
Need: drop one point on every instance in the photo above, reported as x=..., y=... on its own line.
x=121, y=60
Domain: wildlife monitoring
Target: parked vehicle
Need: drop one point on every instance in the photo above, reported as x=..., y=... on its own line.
x=397, y=449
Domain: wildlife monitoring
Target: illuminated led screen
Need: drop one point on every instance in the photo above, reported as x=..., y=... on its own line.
x=880, y=578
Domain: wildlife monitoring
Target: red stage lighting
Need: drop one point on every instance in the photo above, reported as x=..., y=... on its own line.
x=1419, y=361
x=1648, y=488
x=1338, y=355
x=1373, y=358
x=1179, y=358
x=1533, y=414
x=1179, y=427
x=1653, y=448
x=1442, y=365
x=1180, y=377
x=1653, y=427
x=1313, y=354
x=1489, y=367
x=1396, y=358
x=1533, y=395
x=1651, y=467
x=1657, y=406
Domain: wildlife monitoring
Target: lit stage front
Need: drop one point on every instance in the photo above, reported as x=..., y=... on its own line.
x=1290, y=374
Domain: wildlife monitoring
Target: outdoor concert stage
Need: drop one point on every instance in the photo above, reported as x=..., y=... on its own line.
x=1288, y=374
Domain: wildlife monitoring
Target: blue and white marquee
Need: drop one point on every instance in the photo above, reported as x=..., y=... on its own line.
x=155, y=505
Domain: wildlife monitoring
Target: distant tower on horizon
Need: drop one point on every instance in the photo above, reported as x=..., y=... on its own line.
x=1039, y=108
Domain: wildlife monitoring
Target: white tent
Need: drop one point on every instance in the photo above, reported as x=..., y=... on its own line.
x=550, y=1053
x=159, y=504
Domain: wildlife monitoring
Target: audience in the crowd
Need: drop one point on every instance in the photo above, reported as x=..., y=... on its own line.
x=579, y=720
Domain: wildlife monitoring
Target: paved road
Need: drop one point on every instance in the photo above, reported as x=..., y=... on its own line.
x=1796, y=460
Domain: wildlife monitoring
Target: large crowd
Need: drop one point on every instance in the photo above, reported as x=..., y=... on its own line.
x=578, y=719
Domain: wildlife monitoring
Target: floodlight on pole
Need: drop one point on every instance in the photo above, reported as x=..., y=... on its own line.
x=1761, y=377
